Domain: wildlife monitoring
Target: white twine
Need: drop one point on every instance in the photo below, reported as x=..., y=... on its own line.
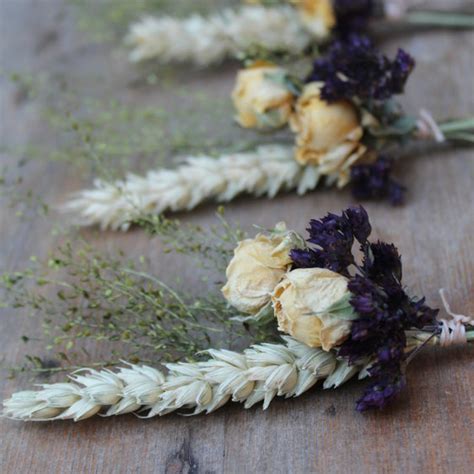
x=428, y=128
x=453, y=331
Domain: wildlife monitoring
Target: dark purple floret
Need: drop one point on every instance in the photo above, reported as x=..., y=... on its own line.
x=401, y=70
x=420, y=315
x=354, y=68
x=359, y=221
x=382, y=262
x=333, y=237
x=374, y=181
x=353, y=15
x=386, y=312
x=382, y=392
x=367, y=298
x=307, y=258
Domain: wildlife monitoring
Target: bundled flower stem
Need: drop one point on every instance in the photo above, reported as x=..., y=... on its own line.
x=287, y=26
x=340, y=317
x=441, y=19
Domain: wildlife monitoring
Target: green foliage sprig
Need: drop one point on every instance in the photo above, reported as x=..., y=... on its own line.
x=108, y=137
x=81, y=294
x=212, y=246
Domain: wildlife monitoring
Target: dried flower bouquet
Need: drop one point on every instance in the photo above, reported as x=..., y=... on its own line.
x=344, y=120
x=341, y=316
x=272, y=26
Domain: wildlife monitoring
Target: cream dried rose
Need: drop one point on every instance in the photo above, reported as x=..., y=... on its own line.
x=328, y=135
x=257, y=267
x=260, y=101
x=317, y=16
x=311, y=304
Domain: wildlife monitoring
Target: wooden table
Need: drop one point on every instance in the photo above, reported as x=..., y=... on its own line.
x=429, y=429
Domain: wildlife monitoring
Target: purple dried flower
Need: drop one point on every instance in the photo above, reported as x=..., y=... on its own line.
x=307, y=258
x=359, y=221
x=334, y=237
x=401, y=70
x=353, y=15
x=353, y=68
x=385, y=311
x=374, y=181
x=382, y=262
x=420, y=315
x=379, y=394
x=366, y=296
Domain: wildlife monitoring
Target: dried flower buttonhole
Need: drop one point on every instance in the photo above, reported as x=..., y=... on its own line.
x=339, y=317
x=342, y=118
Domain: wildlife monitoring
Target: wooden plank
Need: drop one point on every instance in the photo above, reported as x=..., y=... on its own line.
x=428, y=430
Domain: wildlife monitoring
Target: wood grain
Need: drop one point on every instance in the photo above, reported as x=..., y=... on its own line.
x=429, y=429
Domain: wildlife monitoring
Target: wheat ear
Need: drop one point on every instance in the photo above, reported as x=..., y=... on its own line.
x=258, y=374
x=209, y=40
x=265, y=171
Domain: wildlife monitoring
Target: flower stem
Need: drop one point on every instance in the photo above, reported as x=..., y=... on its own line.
x=470, y=335
x=450, y=20
x=457, y=125
x=420, y=347
x=428, y=335
x=461, y=130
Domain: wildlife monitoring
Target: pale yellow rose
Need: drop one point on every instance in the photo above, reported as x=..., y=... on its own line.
x=257, y=267
x=302, y=301
x=328, y=134
x=317, y=16
x=259, y=100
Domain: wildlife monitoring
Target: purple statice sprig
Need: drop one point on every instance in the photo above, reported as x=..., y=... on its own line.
x=384, y=309
x=374, y=181
x=354, y=69
x=333, y=237
x=353, y=15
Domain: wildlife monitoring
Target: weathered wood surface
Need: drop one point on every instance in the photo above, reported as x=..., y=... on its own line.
x=430, y=429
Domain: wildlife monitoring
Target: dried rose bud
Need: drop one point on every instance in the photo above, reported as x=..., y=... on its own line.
x=328, y=135
x=257, y=267
x=260, y=101
x=304, y=305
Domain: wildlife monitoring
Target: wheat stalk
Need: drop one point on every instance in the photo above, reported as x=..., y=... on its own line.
x=266, y=171
x=208, y=40
x=259, y=374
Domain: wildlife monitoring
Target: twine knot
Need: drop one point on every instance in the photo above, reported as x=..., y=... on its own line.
x=395, y=9
x=428, y=128
x=453, y=331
